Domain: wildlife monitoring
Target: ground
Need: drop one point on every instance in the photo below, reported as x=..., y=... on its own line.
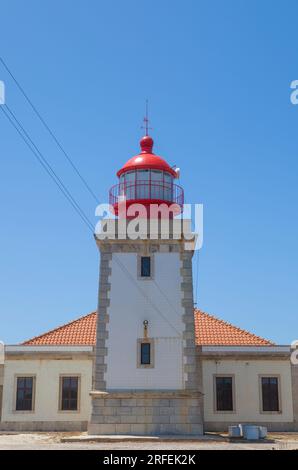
x=52, y=441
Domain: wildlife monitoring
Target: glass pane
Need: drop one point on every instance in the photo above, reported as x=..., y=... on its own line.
x=65, y=383
x=156, y=184
x=143, y=186
x=143, y=175
x=156, y=175
x=168, y=187
x=145, y=266
x=130, y=178
x=224, y=394
x=73, y=405
x=21, y=382
x=24, y=393
x=29, y=383
x=21, y=394
x=168, y=178
x=69, y=399
x=270, y=394
x=145, y=353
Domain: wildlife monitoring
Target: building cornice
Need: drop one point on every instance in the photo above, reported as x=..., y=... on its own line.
x=244, y=352
x=47, y=351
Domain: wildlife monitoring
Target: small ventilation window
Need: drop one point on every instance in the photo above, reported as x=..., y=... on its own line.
x=145, y=353
x=145, y=266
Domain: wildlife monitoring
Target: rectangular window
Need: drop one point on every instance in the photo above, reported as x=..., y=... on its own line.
x=270, y=398
x=145, y=266
x=145, y=353
x=24, y=398
x=69, y=391
x=224, y=393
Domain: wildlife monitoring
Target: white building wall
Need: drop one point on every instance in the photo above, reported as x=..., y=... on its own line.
x=47, y=372
x=247, y=390
x=127, y=311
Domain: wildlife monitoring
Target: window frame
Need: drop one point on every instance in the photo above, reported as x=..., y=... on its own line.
x=61, y=377
x=139, y=267
x=141, y=341
x=16, y=377
x=275, y=376
x=215, y=410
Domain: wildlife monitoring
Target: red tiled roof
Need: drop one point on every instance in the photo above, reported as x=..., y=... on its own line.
x=213, y=331
x=209, y=331
x=78, y=332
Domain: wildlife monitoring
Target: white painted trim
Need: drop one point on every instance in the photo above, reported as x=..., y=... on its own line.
x=247, y=349
x=47, y=349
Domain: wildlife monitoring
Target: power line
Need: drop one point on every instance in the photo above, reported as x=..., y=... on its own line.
x=42, y=120
x=47, y=167
x=167, y=299
x=57, y=180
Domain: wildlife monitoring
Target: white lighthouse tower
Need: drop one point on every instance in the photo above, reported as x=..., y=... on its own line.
x=146, y=375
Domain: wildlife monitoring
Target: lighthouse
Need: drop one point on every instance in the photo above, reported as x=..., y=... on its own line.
x=146, y=370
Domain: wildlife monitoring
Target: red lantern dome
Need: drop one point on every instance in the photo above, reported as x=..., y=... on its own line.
x=146, y=159
x=147, y=179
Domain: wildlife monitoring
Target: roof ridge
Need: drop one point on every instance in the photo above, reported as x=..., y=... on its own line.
x=242, y=330
x=58, y=328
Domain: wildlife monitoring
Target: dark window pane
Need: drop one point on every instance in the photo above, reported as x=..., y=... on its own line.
x=224, y=394
x=69, y=399
x=145, y=353
x=24, y=393
x=145, y=266
x=270, y=394
x=66, y=382
x=21, y=382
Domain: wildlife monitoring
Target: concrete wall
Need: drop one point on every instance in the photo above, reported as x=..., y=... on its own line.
x=127, y=311
x=247, y=392
x=47, y=372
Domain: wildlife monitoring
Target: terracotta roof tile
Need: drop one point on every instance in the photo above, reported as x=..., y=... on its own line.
x=213, y=331
x=209, y=331
x=78, y=332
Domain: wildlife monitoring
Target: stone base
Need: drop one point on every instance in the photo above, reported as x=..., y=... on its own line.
x=146, y=413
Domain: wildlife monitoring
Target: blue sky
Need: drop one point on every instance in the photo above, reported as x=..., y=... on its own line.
x=217, y=74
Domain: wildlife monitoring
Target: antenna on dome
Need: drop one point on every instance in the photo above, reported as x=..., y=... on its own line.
x=146, y=120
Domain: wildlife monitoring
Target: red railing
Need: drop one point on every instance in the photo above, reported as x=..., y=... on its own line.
x=147, y=190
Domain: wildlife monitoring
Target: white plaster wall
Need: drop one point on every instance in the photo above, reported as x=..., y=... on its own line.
x=47, y=372
x=247, y=392
x=127, y=311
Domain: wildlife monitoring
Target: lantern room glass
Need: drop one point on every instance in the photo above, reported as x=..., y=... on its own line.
x=147, y=184
x=143, y=184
